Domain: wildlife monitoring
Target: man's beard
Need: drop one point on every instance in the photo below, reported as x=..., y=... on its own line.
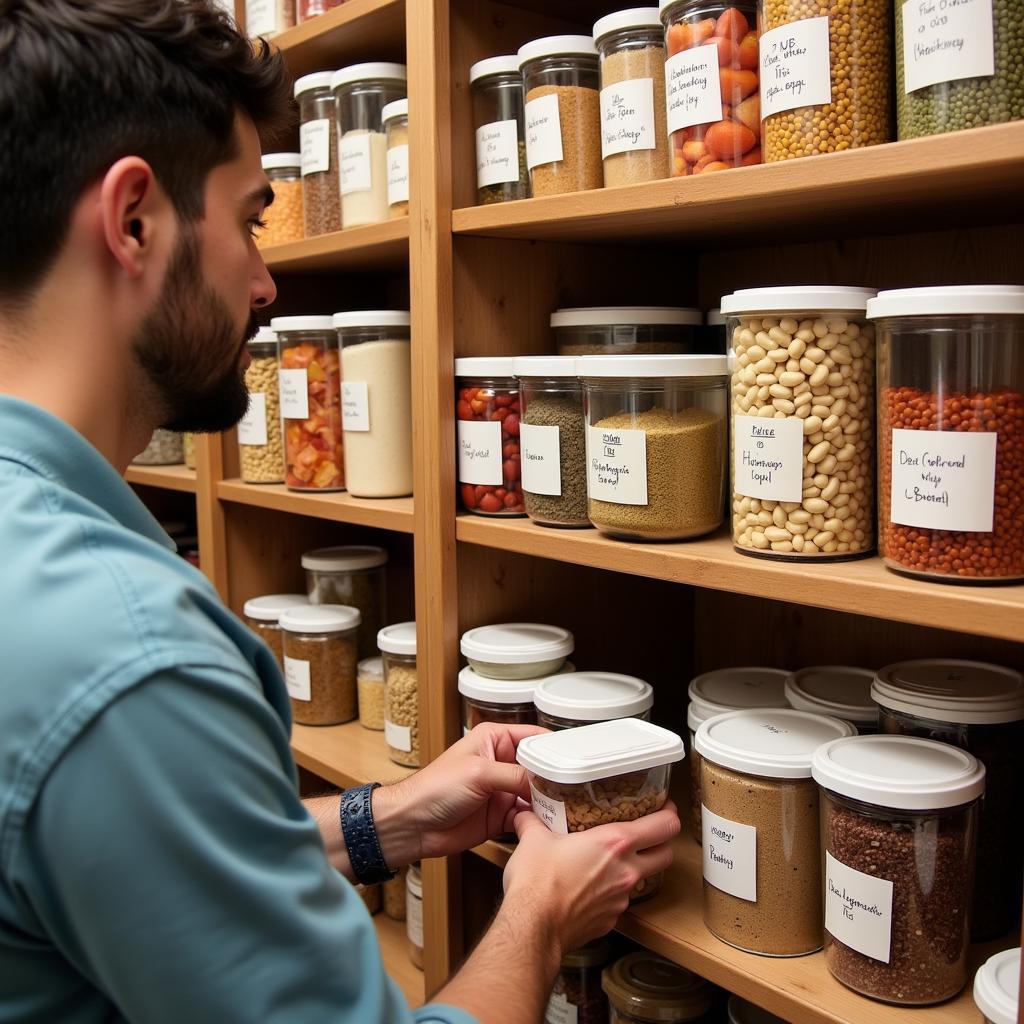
x=189, y=349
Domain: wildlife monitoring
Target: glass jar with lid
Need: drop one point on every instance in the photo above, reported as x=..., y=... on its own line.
x=395, y=118
x=395, y=895
x=508, y=702
x=571, y=699
x=414, y=914
x=517, y=650
x=321, y=201
x=284, y=218
x=644, y=988
x=842, y=691
x=577, y=994
x=268, y=17
x=165, y=448
x=260, y=438
x=627, y=331
x=370, y=690
x=997, y=987
x=497, y=88
x=262, y=615
x=401, y=693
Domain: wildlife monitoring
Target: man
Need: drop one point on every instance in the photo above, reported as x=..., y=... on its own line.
x=156, y=863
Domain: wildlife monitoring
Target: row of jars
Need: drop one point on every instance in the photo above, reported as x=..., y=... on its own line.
x=637, y=445
x=270, y=17
x=701, y=86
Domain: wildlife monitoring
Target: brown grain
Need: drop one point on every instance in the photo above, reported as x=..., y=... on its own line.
x=579, y=114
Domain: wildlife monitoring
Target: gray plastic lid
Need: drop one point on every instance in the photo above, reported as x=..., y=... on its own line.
x=345, y=558
x=731, y=689
x=840, y=690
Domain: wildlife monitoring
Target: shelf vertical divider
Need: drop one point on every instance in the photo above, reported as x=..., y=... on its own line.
x=210, y=527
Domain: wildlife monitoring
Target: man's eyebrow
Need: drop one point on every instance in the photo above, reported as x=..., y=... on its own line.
x=264, y=192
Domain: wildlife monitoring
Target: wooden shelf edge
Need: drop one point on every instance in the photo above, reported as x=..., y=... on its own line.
x=171, y=478
x=371, y=247
x=345, y=755
x=394, y=950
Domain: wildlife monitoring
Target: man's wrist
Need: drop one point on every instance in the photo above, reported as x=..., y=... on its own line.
x=399, y=839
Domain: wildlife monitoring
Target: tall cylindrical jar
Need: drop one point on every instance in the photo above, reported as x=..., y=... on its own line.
x=260, y=438
x=321, y=203
x=310, y=389
x=376, y=402
x=395, y=119
x=497, y=88
x=414, y=914
x=563, y=116
x=842, y=691
x=268, y=17
x=803, y=408
x=401, y=693
x=283, y=219
x=713, y=77
x=577, y=994
x=631, y=47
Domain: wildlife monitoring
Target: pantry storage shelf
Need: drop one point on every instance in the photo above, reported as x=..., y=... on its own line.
x=345, y=755
x=395, y=952
x=372, y=247
x=171, y=478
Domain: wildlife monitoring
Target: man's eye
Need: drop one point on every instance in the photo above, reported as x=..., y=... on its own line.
x=256, y=225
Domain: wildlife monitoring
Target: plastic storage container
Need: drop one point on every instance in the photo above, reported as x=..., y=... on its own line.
x=314, y=8
x=260, y=438
x=487, y=413
x=262, y=615
x=268, y=17
x=951, y=420
x=626, y=330
x=631, y=47
x=496, y=700
x=284, y=218
x=165, y=448
x=841, y=691
x=517, y=650
x=370, y=895
x=577, y=995
x=188, y=450
x=497, y=88
x=715, y=335
x=370, y=689
x=803, y=484
x=656, y=442
x=401, y=693
x=321, y=201
x=643, y=988
x=997, y=987
x=980, y=708
x=376, y=402
x=572, y=699
x=395, y=119
x=362, y=92
x=414, y=914
x=562, y=114
x=713, y=74
x=898, y=817
x=762, y=861
x=395, y=891
x=319, y=645
x=310, y=391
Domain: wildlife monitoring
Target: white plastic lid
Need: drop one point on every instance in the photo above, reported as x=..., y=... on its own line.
x=279, y=161
x=997, y=987
x=398, y=639
x=517, y=643
x=652, y=366
x=396, y=108
x=775, y=743
x=840, y=690
x=808, y=298
x=506, y=64
x=320, y=618
x=599, y=751
x=317, y=80
x=496, y=691
x=485, y=366
x=625, y=316
x=372, y=667
x=635, y=17
x=269, y=607
x=905, y=773
x=713, y=317
x=997, y=299
x=740, y=1011
x=301, y=323
x=593, y=696
x=964, y=692
x=731, y=689
x=544, y=366
x=557, y=46
x=369, y=72
x=345, y=558
x=372, y=318
x=264, y=336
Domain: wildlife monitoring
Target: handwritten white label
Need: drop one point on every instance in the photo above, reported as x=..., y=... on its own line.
x=858, y=909
x=541, y=459
x=252, y=427
x=294, y=395
x=693, y=89
x=398, y=175
x=479, y=453
x=315, y=144
x=296, y=678
x=943, y=479
x=617, y=465
x=627, y=117
x=768, y=458
x=497, y=153
x=355, y=406
x=551, y=812
x=260, y=17
x=946, y=40
x=730, y=855
x=543, y=132
x=795, y=70
x=354, y=162
x=560, y=1010
x=414, y=919
x=397, y=736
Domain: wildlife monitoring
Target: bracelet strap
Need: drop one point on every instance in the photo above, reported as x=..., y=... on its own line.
x=360, y=834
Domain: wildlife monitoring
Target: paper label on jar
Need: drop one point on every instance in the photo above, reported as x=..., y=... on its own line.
x=543, y=132
x=617, y=465
x=354, y=165
x=693, y=89
x=946, y=40
x=294, y=394
x=730, y=855
x=479, y=452
x=260, y=17
x=397, y=736
x=768, y=458
x=541, y=458
x=414, y=920
x=627, y=117
x=858, y=909
x=497, y=153
x=355, y=406
x=315, y=144
x=252, y=427
x=551, y=812
x=398, y=175
x=943, y=479
x=296, y=678
x=560, y=1010
x=795, y=70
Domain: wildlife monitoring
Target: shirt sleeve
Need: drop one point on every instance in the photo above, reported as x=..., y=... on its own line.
x=171, y=861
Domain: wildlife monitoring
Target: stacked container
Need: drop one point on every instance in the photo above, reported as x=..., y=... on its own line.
x=571, y=699
x=321, y=202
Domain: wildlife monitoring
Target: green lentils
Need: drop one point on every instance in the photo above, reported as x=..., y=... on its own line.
x=570, y=507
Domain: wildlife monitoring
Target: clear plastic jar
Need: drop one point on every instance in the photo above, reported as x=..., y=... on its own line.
x=188, y=450
x=414, y=914
x=898, y=823
x=577, y=994
x=370, y=689
x=262, y=615
x=319, y=645
x=997, y=987
x=632, y=54
x=517, y=650
x=643, y=988
x=841, y=691
x=497, y=88
x=571, y=699
x=487, y=414
x=395, y=894
x=401, y=693
x=165, y=448
x=321, y=201
x=260, y=438
x=314, y=8
x=553, y=441
x=656, y=444
x=310, y=391
x=627, y=331
x=395, y=118
x=803, y=411
x=284, y=218
x=268, y=17
x=951, y=424
x=713, y=102
x=762, y=861
x=362, y=92
x=562, y=114
x=491, y=700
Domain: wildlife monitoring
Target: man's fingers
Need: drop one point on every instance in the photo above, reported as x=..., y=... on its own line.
x=527, y=822
x=499, y=777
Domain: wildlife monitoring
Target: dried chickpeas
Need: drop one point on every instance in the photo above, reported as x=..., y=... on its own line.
x=620, y=798
x=263, y=463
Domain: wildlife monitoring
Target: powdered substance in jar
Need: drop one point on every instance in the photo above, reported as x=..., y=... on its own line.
x=364, y=178
x=638, y=164
x=579, y=114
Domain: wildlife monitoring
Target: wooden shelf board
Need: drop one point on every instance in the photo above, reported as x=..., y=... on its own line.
x=345, y=755
x=372, y=247
x=863, y=587
x=900, y=185
x=395, y=951
x=171, y=478
x=382, y=513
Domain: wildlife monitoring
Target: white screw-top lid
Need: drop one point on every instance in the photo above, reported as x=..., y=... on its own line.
x=301, y=323
x=905, y=773
x=840, y=690
x=808, y=298
x=731, y=689
x=713, y=317
x=371, y=668
x=505, y=64
x=345, y=558
x=269, y=607
x=372, y=318
x=635, y=17
x=485, y=366
x=545, y=366
x=599, y=751
x=997, y=987
x=317, y=80
x=740, y=1011
x=557, y=46
x=374, y=71
x=964, y=692
x=593, y=696
x=973, y=299
x=280, y=161
x=775, y=743
x=398, y=639
x=320, y=618
x=517, y=643
x=264, y=336
x=626, y=316
x=651, y=366
x=497, y=691
x=396, y=108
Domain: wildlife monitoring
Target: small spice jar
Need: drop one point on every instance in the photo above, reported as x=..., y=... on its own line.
x=321, y=202
x=395, y=894
x=898, y=821
x=262, y=615
x=370, y=689
x=713, y=76
x=951, y=426
x=552, y=440
x=319, y=645
x=643, y=988
x=656, y=444
x=309, y=381
x=742, y=1012
x=395, y=118
x=496, y=700
x=632, y=55
x=362, y=92
x=562, y=114
x=268, y=17
x=517, y=650
x=841, y=691
x=997, y=987
x=260, y=438
x=414, y=914
x=284, y=219
x=571, y=699
x=401, y=693
x=627, y=331
x=314, y=8
x=487, y=427
x=577, y=994
x=762, y=862
x=165, y=448
x=497, y=88
x=803, y=393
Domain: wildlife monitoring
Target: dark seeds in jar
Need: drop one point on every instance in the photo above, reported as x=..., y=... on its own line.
x=569, y=507
x=481, y=405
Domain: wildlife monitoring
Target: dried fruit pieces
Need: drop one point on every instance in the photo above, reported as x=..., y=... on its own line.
x=313, y=450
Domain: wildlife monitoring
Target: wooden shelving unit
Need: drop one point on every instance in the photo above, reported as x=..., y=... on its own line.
x=170, y=478
x=394, y=947
x=372, y=247
x=345, y=755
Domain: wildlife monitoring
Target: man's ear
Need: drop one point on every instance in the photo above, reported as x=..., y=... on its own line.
x=132, y=206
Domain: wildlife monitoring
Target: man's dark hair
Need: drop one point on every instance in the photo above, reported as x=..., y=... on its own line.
x=86, y=82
